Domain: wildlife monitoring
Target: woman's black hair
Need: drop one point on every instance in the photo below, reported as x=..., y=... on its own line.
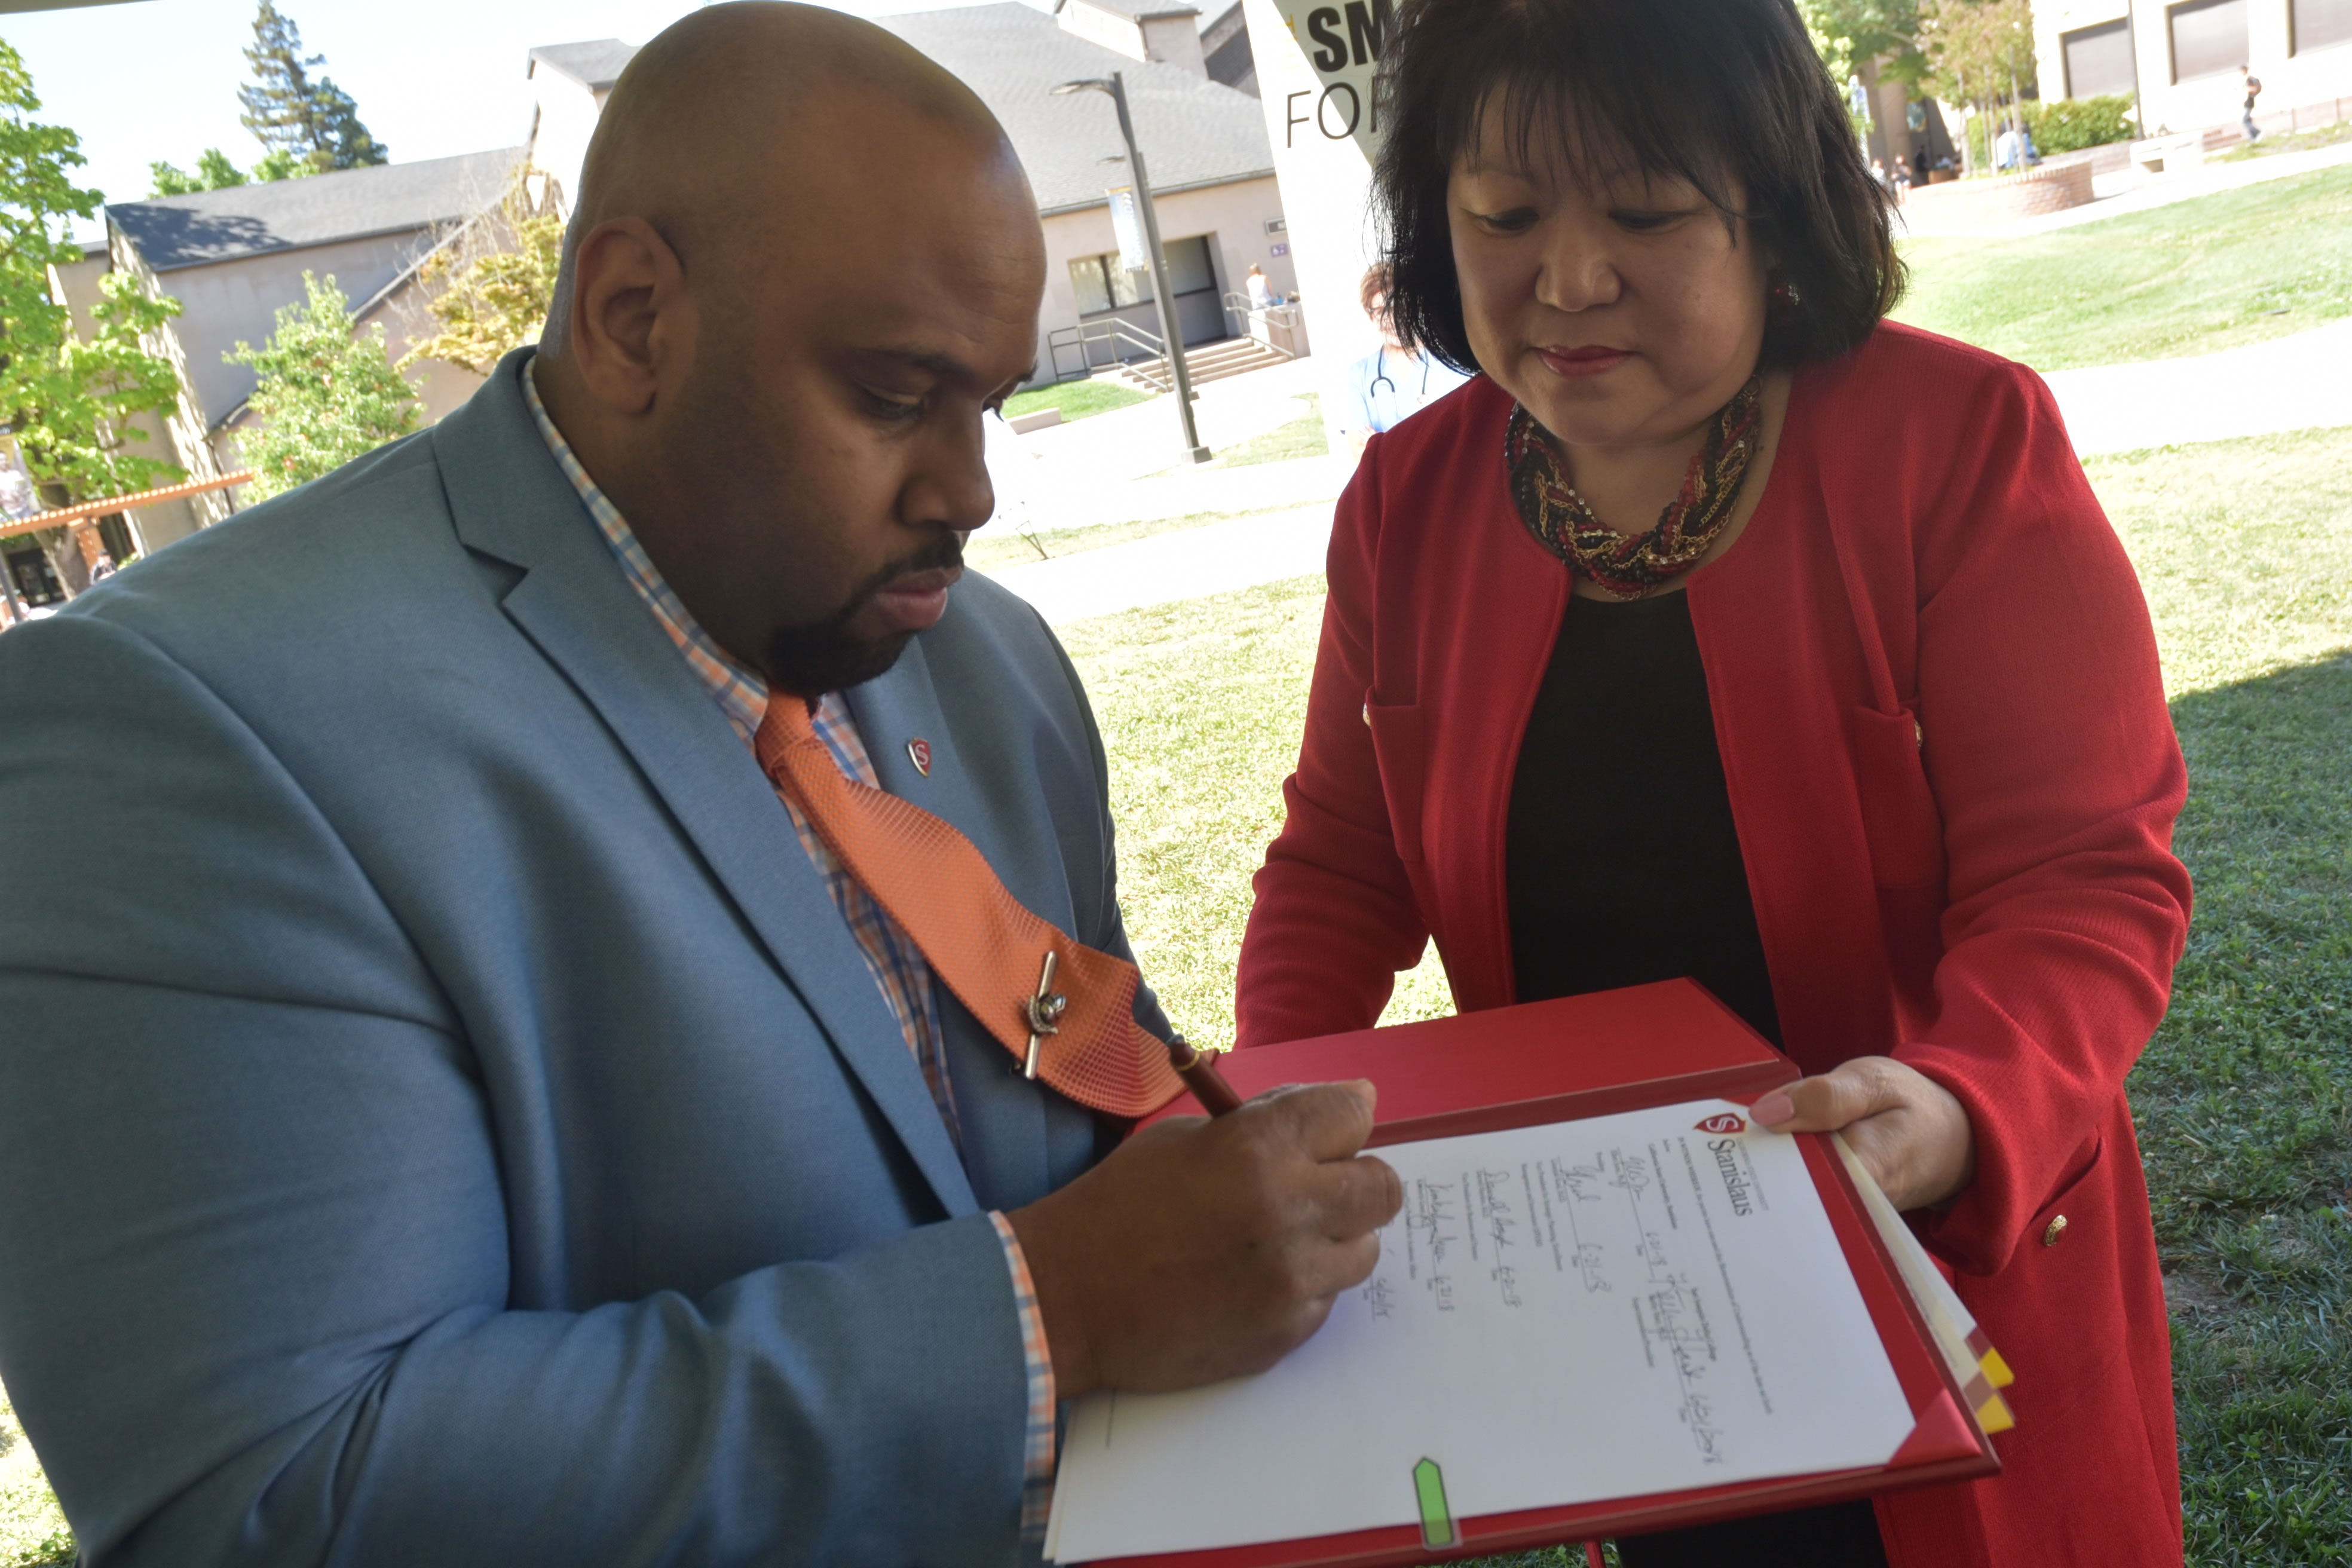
x=1726, y=94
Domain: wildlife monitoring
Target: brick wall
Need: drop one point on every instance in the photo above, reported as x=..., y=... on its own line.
x=2048, y=189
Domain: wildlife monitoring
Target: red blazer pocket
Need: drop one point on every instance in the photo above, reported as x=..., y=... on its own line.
x=1398, y=748
x=1898, y=809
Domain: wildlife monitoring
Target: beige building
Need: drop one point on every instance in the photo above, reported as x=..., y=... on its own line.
x=2183, y=58
x=234, y=258
x=1205, y=145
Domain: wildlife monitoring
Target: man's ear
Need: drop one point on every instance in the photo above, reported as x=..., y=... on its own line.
x=632, y=326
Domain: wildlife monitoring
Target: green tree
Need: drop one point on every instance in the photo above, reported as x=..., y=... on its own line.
x=1978, y=51
x=349, y=144
x=213, y=173
x=284, y=166
x=68, y=399
x=497, y=280
x=289, y=110
x=1852, y=33
x=328, y=391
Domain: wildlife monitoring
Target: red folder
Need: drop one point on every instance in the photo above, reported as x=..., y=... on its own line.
x=1594, y=1056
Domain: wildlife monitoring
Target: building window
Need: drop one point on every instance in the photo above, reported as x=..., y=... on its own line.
x=2098, y=59
x=2208, y=38
x=2319, y=23
x=1104, y=285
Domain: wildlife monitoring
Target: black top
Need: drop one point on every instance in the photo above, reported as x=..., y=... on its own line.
x=1622, y=862
x=1624, y=867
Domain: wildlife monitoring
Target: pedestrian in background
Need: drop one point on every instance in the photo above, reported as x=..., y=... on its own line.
x=2253, y=91
x=1395, y=380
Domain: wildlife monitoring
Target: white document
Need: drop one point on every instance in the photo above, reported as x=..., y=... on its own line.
x=1608, y=1308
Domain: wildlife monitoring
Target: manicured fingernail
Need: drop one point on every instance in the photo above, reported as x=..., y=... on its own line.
x=1772, y=1110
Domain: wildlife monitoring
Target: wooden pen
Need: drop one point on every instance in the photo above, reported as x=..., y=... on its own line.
x=1198, y=1068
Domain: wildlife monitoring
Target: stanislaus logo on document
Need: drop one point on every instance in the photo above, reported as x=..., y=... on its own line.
x=1722, y=1121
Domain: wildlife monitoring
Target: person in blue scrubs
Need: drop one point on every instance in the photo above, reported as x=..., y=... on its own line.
x=1392, y=382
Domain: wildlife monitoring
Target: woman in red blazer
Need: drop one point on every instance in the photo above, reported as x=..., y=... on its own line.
x=1866, y=733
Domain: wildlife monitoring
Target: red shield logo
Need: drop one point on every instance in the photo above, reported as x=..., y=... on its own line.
x=1723, y=1121
x=919, y=753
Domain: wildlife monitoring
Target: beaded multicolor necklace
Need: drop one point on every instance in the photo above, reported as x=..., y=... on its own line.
x=1629, y=566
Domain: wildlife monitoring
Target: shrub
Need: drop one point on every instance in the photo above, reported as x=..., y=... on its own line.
x=2063, y=125
x=2071, y=124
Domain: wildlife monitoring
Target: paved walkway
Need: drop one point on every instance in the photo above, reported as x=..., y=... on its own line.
x=2134, y=191
x=2296, y=383
x=1169, y=567
x=1126, y=466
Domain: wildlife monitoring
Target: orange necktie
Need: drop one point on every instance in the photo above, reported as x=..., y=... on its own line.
x=1042, y=994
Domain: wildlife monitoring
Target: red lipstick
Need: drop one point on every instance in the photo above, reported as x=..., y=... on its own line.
x=1592, y=359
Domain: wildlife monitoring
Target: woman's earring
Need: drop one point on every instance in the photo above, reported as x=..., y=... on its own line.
x=1782, y=294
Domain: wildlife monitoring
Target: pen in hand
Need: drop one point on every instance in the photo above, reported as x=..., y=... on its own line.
x=1198, y=1068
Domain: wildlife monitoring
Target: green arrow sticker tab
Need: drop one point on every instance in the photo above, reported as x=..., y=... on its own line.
x=1429, y=1492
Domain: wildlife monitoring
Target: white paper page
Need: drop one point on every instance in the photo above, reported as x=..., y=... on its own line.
x=1596, y=1309
x=1949, y=1317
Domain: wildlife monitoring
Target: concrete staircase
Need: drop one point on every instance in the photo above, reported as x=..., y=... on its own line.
x=1210, y=362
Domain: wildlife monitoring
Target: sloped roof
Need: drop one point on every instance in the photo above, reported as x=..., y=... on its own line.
x=1194, y=132
x=211, y=226
x=593, y=64
x=1145, y=10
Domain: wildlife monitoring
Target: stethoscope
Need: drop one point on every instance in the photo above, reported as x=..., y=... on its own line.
x=1381, y=374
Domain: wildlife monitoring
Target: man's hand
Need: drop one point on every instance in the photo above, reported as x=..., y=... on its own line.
x=1910, y=1132
x=1203, y=1249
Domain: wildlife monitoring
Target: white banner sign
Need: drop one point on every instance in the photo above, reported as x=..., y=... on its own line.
x=1315, y=63
x=1127, y=223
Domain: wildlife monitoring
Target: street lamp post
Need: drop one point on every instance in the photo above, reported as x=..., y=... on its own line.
x=1115, y=87
x=2131, y=41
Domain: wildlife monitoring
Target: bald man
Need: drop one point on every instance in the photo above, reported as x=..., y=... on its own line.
x=452, y=1109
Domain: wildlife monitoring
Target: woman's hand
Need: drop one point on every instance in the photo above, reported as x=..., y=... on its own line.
x=1912, y=1135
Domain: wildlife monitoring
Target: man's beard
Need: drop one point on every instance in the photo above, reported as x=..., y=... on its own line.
x=827, y=656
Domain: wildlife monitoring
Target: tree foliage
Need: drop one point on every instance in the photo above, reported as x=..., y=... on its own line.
x=497, y=280
x=1851, y=33
x=1977, y=50
x=328, y=391
x=290, y=111
x=214, y=172
x=69, y=399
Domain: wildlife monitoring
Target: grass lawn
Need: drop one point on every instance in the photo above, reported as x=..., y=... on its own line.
x=1302, y=437
x=1075, y=399
x=2276, y=142
x=2235, y=268
x=2245, y=1095
x=33, y=1533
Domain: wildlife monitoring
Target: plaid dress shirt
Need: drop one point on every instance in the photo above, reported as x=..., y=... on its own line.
x=899, y=969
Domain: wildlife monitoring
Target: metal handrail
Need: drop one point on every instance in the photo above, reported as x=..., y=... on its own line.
x=1114, y=333
x=1239, y=314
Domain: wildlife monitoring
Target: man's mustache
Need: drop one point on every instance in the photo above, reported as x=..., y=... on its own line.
x=944, y=551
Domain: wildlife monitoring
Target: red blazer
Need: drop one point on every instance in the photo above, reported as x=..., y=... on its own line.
x=1954, y=778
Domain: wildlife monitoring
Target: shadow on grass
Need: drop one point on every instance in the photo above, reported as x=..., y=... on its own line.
x=2244, y=1099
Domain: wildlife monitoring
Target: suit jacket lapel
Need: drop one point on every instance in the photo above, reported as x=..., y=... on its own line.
x=509, y=498
x=1001, y=1115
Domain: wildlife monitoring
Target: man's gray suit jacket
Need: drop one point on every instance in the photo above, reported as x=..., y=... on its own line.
x=444, y=1120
